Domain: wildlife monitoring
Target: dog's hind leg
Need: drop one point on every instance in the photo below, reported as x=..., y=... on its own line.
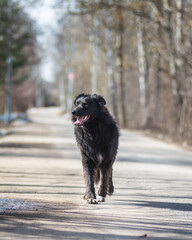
x=110, y=187
x=96, y=176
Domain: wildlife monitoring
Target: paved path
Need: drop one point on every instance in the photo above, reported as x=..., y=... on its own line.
x=42, y=187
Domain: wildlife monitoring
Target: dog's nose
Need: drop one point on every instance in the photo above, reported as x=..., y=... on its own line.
x=73, y=112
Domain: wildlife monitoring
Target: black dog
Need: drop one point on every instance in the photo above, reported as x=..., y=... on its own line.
x=97, y=136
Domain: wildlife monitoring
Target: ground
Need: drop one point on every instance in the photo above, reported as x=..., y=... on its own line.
x=42, y=186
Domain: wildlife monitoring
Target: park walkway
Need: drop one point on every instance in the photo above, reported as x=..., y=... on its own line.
x=42, y=186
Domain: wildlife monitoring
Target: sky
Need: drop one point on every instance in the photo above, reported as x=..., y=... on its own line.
x=46, y=20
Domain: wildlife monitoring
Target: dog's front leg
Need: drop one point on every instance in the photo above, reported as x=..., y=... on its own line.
x=89, y=181
x=105, y=174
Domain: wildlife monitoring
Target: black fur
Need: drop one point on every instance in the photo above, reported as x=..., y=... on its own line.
x=97, y=136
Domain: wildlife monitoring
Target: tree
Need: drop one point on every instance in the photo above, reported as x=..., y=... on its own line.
x=17, y=44
x=146, y=50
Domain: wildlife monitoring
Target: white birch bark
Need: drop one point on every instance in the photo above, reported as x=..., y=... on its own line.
x=95, y=55
x=172, y=60
x=110, y=71
x=178, y=25
x=142, y=70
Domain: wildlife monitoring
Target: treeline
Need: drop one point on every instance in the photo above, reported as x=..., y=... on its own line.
x=138, y=54
x=18, y=57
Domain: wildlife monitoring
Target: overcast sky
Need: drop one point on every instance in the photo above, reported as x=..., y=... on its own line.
x=45, y=17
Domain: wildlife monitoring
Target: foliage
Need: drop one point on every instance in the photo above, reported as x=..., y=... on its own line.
x=16, y=30
x=22, y=37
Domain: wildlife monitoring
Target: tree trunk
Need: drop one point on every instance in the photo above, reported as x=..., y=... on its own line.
x=62, y=95
x=157, y=89
x=142, y=72
x=120, y=71
x=110, y=71
x=95, y=55
x=9, y=67
x=174, y=21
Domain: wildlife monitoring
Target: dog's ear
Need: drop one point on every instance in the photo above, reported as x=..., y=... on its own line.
x=99, y=99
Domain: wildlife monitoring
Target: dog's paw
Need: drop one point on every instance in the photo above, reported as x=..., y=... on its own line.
x=100, y=198
x=110, y=190
x=85, y=197
x=110, y=193
x=92, y=201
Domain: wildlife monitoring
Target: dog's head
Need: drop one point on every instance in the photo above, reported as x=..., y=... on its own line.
x=87, y=108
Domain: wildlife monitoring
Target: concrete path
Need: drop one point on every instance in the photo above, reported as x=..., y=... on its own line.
x=42, y=187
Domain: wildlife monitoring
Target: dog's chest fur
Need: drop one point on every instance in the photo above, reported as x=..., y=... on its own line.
x=93, y=143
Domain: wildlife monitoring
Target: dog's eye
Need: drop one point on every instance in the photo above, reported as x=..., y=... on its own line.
x=84, y=105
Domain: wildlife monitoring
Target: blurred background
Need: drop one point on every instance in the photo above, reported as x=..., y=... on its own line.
x=136, y=53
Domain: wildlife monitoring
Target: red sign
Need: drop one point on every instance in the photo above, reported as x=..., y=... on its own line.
x=71, y=76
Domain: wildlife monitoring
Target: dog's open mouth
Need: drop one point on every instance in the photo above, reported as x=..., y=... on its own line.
x=81, y=119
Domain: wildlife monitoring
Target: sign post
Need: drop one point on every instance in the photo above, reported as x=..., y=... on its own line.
x=9, y=69
x=71, y=77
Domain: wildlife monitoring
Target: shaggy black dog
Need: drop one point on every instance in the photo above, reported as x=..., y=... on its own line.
x=97, y=136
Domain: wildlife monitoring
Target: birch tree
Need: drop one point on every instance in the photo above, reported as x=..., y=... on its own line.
x=142, y=71
x=111, y=74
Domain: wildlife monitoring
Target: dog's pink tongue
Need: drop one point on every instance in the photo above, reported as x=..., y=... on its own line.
x=79, y=120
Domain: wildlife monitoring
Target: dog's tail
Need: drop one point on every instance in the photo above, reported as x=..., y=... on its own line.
x=96, y=176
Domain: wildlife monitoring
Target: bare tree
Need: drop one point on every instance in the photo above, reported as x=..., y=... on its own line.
x=143, y=48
